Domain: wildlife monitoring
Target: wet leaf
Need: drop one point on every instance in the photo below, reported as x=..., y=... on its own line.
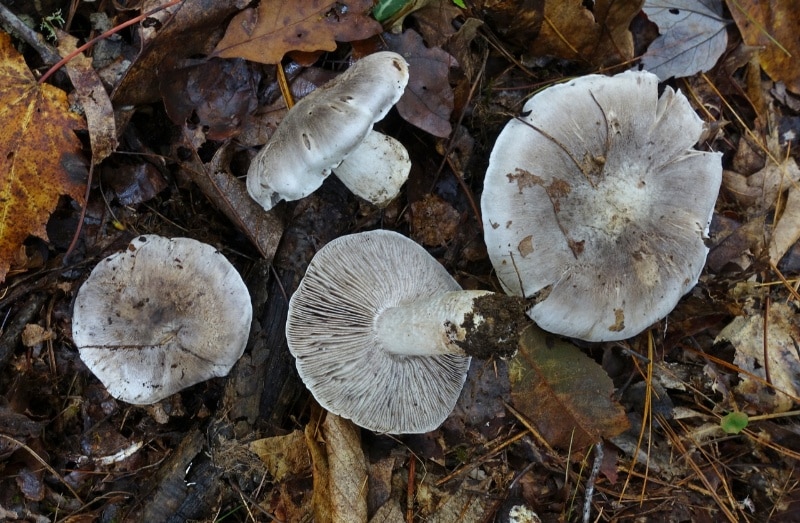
x=428, y=100
x=693, y=37
x=39, y=153
x=266, y=33
x=181, y=31
x=93, y=98
x=773, y=27
x=563, y=392
x=222, y=93
x=746, y=333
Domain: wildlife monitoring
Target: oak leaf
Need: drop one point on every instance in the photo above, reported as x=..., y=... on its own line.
x=39, y=153
x=265, y=33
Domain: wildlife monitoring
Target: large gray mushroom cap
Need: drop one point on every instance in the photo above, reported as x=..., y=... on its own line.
x=161, y=316
x=329, y=124
x=596, y=206
x=334, y=325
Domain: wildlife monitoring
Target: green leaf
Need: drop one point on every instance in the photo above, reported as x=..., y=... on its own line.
x=734, y=422
x=460, y=3
x=384, y=9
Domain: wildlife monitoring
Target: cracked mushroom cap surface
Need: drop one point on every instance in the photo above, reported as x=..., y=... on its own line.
x=320, y=131
x=160, y=316
x=331, y=333
x=596, y=205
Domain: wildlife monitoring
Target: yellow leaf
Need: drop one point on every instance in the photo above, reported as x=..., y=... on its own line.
x=37, y=146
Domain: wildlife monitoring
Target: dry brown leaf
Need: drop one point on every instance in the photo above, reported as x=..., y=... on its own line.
x=283, y=455
x=428, y=100
x=340, y=471
x=746, y=333
x=563, y=392
x=787, y=230
x=773, y=27
x=758, y=192
x=266, y=33
x=37, y=149
x=93, y=98
x=601, y=36
x=566, y=28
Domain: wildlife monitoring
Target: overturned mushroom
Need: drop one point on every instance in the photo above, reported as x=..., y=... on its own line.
x=596, y=207
x=161, y=316
x=331, y=130
x=383, y=335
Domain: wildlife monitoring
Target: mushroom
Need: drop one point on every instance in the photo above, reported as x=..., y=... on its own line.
x=161, y=316
x=596, y=207
x=331, y=129
x=383, y=335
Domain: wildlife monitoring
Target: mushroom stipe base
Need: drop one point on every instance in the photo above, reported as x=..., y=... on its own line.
x=503, y=319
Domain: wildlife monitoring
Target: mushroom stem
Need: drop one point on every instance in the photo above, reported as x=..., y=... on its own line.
x=475, y=323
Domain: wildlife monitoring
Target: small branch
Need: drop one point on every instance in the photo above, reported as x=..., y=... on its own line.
x=108, y=33
x=31, y=37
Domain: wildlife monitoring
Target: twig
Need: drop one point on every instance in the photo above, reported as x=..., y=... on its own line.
x=108, y=33
x=46, y=465
x=31, y=37
x=589, y=492
x=412, y=472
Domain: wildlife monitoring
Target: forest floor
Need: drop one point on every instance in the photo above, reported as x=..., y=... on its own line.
x=182, y=120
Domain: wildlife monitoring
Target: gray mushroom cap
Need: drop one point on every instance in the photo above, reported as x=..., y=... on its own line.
x=333, y=325
x=323, y=128
x=596, y=206
x=161, y=316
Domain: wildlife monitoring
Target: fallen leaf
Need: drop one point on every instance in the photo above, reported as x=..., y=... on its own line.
x=563, y=392
x=229, y=194
x=692, y=39
x=266, y=33
x=39, y=153
x=773, y=27
x=340, y=471
x=787, y=229
x=757, y=192
x=746, y=333
x=178, y=32
x=283, y=455
x=428, y=100
x=600, y=36
x=222, y=93
x=93, y=98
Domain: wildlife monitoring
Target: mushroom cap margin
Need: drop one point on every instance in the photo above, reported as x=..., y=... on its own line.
x=160, y=316
x=330, y=331
x=607, y=237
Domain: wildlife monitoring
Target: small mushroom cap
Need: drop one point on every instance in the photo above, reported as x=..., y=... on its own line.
x=161, y=316
x=331, y=333
x=596, y=206
x=324, y=127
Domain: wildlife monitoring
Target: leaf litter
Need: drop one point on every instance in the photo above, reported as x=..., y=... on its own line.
x=527, y=431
